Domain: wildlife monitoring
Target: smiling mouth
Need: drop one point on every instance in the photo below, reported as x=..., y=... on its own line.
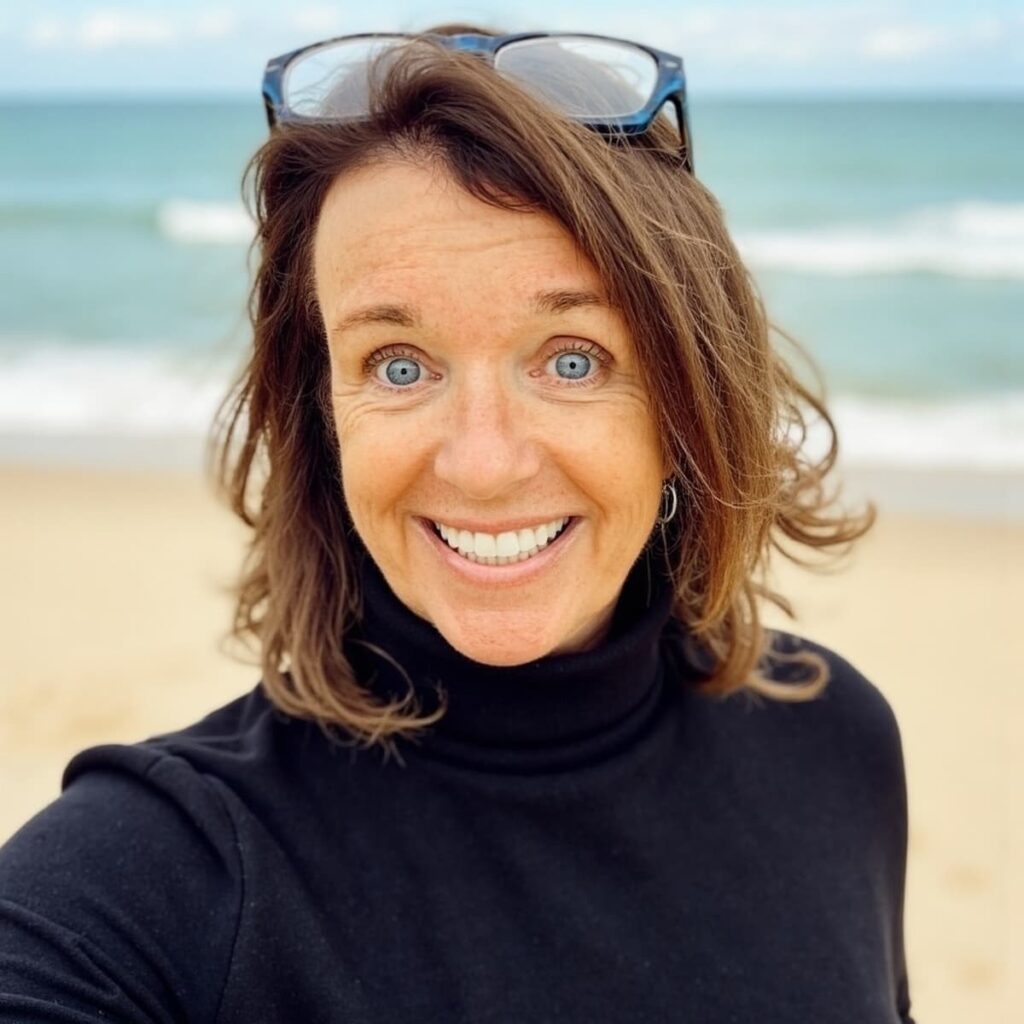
x=517, y=546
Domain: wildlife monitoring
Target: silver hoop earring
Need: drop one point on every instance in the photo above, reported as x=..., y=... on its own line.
x=668, y=491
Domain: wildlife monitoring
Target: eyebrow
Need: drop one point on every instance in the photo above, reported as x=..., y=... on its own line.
x=551, y=301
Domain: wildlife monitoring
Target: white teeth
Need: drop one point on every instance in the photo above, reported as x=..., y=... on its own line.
x=507, y=544
x=503, y=548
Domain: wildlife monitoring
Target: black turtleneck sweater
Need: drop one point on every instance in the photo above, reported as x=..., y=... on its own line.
x=584, y=838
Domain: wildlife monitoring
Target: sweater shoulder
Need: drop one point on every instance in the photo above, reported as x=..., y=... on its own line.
x=849, y=693
x=850, y=717
x=204, y=761
x=102, y=889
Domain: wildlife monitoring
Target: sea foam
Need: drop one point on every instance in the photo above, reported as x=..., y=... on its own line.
x=983, y=432
x=204, y=223
x=974, y=239
x=971, y=239
x=57, y=389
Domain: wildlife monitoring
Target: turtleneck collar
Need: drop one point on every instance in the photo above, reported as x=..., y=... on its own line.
x=552, y=701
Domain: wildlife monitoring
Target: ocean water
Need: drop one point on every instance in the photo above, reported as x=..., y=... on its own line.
x=886, y=235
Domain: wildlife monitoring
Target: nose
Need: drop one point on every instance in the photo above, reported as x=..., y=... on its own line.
x=487, y=450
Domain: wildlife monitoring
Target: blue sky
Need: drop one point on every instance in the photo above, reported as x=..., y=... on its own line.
x=742, y=46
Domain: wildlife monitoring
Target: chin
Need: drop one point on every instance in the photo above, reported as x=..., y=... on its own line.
x=496, y=639
x=504, y=653
x=502, y=659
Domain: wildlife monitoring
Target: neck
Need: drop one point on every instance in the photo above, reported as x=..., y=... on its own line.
x=555, y=700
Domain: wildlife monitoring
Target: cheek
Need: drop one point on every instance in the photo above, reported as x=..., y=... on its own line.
x=379, y=462
x=619, y=446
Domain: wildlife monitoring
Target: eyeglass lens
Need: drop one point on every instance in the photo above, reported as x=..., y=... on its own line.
x=586, y=78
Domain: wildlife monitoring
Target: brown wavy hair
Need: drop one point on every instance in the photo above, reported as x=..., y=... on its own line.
x=731, y=413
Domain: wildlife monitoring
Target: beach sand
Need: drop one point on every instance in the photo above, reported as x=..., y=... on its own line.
x=112, y=604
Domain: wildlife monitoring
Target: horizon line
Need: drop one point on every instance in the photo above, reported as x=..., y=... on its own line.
x=1014, y=93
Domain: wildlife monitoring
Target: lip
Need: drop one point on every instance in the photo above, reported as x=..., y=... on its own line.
x=510, y=574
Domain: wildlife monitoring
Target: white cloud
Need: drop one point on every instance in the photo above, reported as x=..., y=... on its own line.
x=909, y=41
x=898, y=42
x=106, y=28
x=101, y=29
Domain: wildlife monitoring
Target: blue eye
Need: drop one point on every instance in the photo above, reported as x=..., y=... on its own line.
x=574, y=365
x=577, y=367
x=402, y=370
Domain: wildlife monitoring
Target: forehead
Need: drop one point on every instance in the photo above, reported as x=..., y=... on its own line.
x=399, y=225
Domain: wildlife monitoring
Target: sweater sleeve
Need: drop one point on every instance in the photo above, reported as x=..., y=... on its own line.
x=876, y=751
x=886, y=771
x=119, y=901
x=900, y=839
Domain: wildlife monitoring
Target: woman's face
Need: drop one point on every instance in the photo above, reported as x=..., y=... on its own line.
x=480, y=381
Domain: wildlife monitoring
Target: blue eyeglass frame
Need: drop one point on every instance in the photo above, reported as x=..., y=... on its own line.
x=670, y=86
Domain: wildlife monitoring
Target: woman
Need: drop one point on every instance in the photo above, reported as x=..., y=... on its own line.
x=513, y=420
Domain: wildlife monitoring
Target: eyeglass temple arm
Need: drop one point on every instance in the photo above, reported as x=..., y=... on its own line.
x=683, y=120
